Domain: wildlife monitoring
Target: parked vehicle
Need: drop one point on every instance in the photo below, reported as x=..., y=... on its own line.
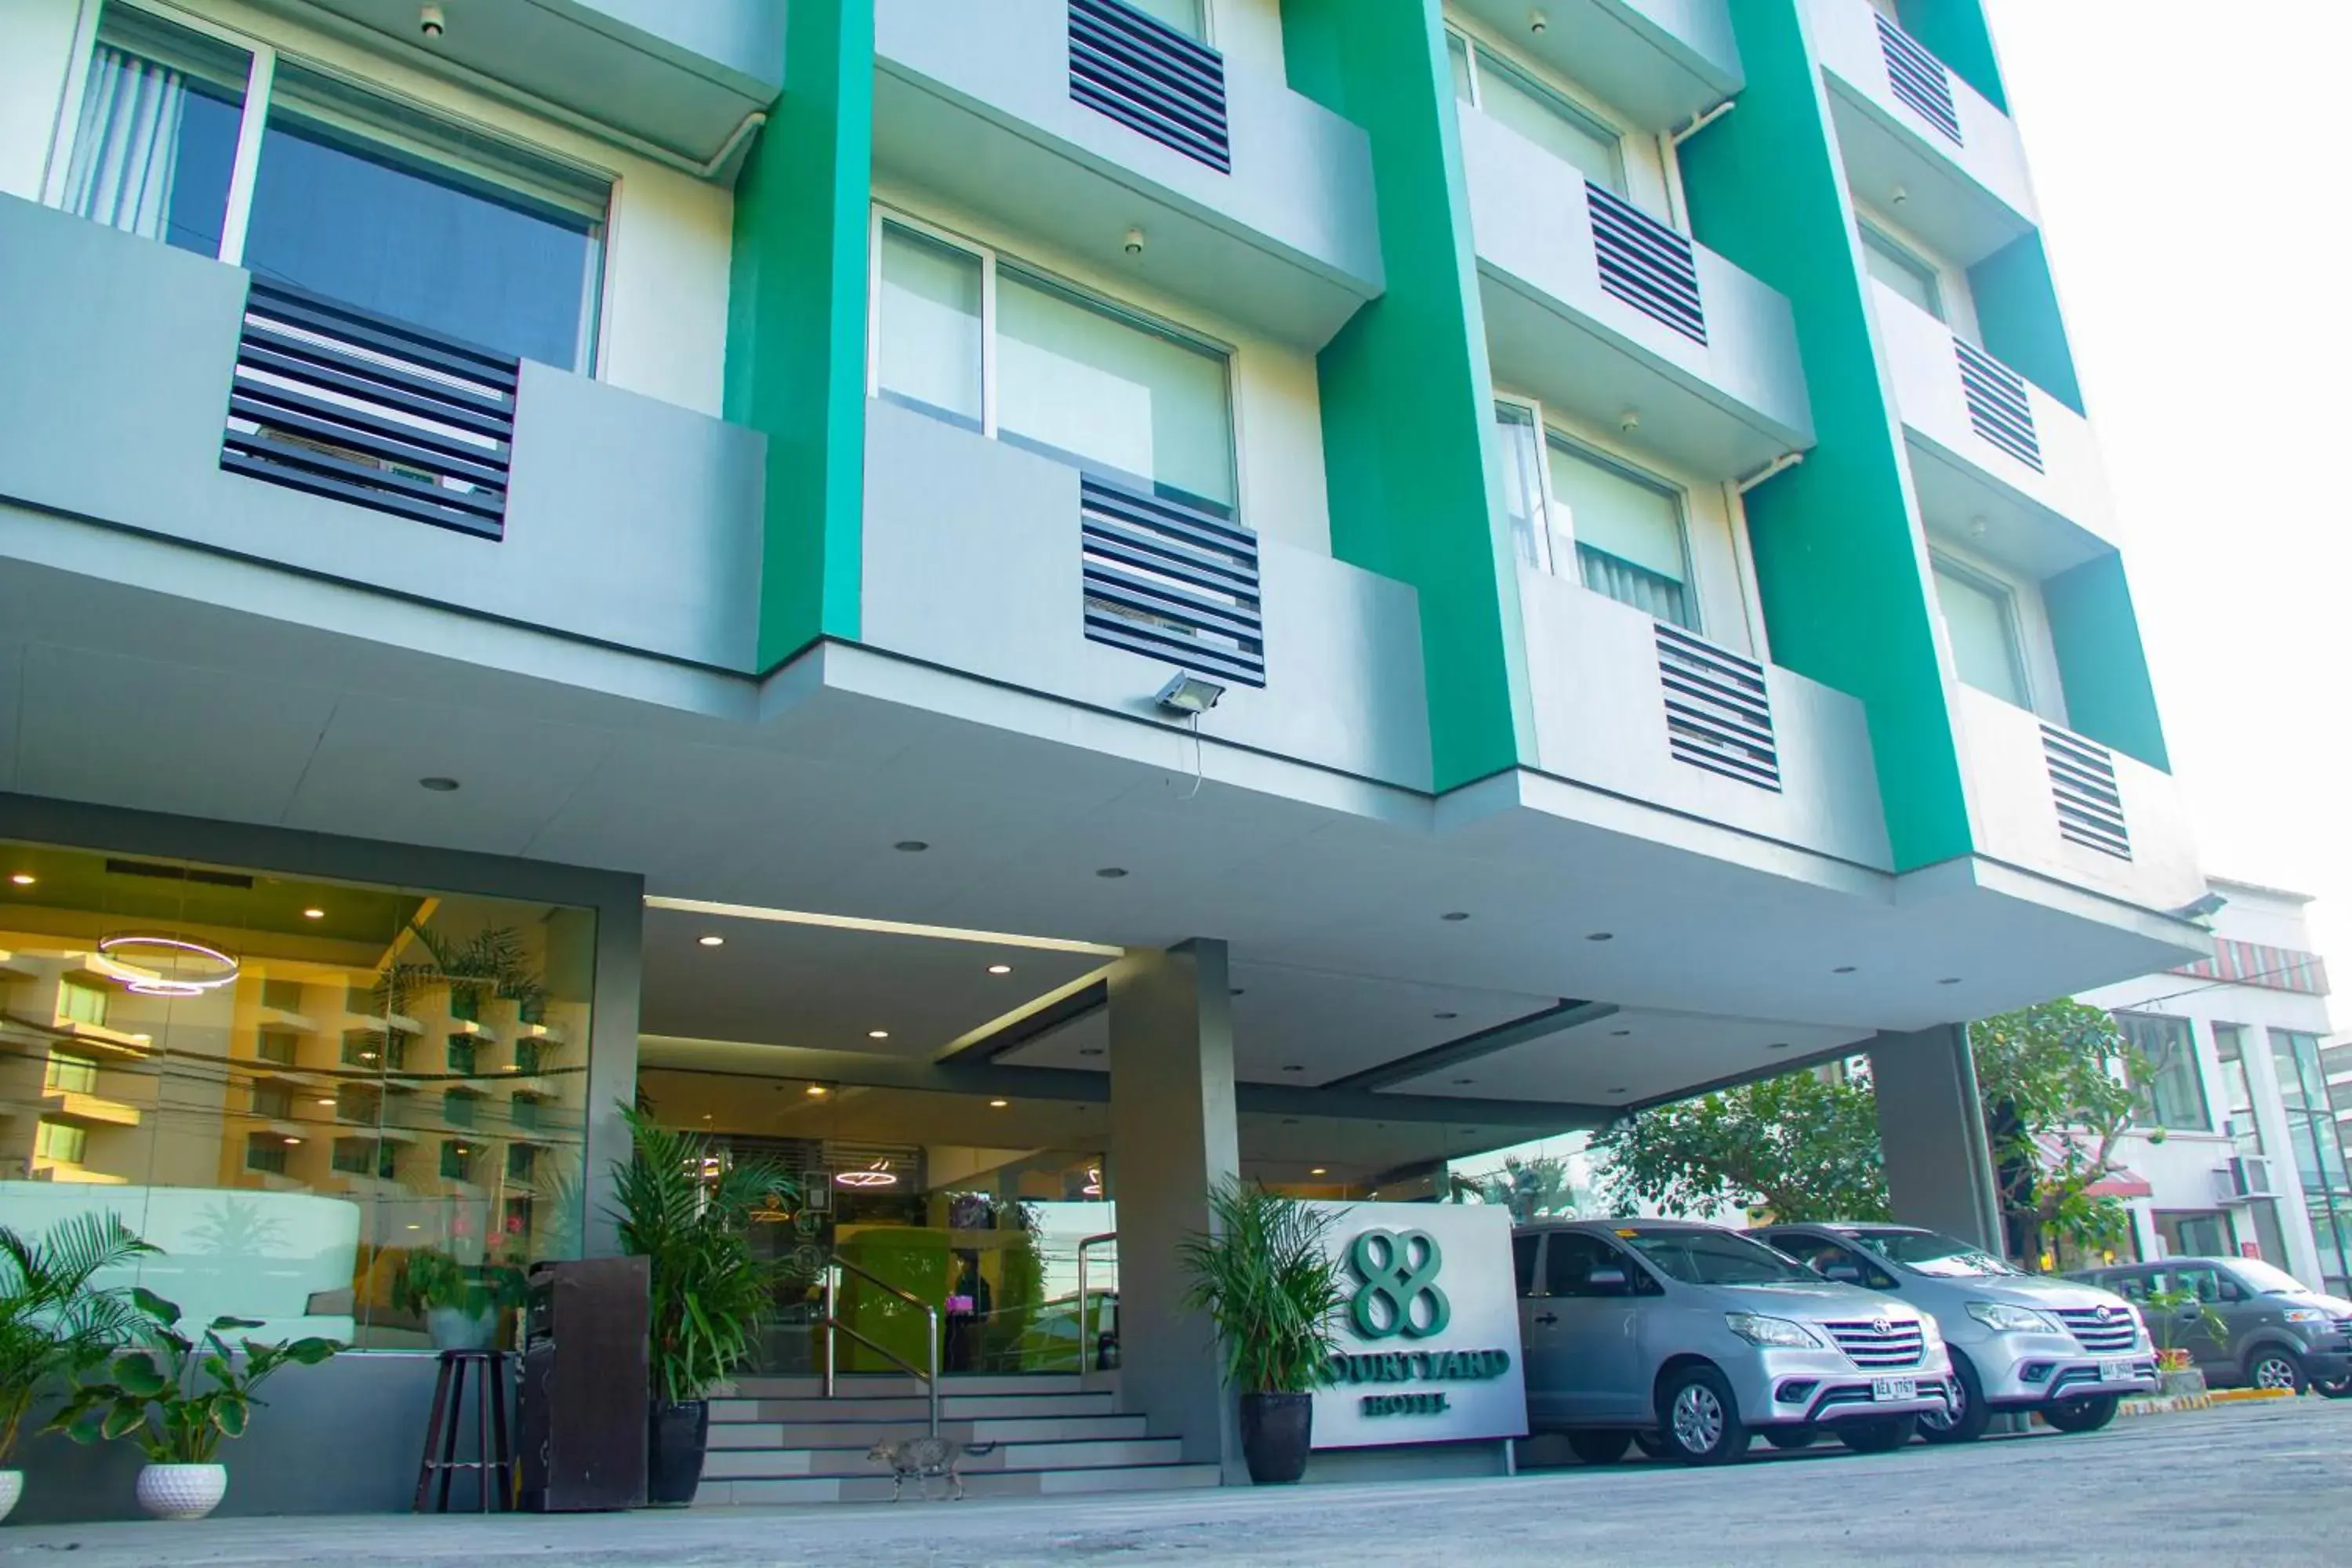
x=1705, y=1338
x=2068, y=1350
x=2274, y=1331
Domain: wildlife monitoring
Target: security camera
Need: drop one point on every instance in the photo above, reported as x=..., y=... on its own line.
x=1134, y=242
x=1538, y=22
x=431, y=21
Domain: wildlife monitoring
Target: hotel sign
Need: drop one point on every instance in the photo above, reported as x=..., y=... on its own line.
x=1429, y=1336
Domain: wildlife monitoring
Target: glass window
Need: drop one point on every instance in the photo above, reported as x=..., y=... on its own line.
x=1899, y=270
x=1184, y=15
x=2194, y=1235
x=157, y=140
x=79, y=1003
x=1457, y=62
x=70, y=1074
x=457, y=1107
x=1574, y=135
x=2174, y=1095
x=2237, y=1092
x=1698, y=1256
x=282, y=996
x=930, y=352
x=364, y=201
x=458, y=1051
x=1981, y=623
x=1523, y=1261
x=1523, y=498
x=1079, y=380
x=457, y=1161
x=1933, y=1253
x=284, y=1191
x=2317, y=1144
x=1571, y=1259
x=1628, y=532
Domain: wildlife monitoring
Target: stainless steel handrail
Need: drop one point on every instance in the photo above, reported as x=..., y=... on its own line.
x=831, y=1322
x=1085, y=1313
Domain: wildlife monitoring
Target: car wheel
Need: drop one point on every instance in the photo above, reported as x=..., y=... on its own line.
x=1792, y=1438
x=2340, y=1388
x=1701, y=1423
x=1970, y=1414
x=1880, y=1435
x=2087, y=1414
x=1599, y=1447
x=1650, y=1443
x=2277, y=1370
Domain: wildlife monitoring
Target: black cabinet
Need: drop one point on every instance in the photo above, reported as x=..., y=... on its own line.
x=584, y=1402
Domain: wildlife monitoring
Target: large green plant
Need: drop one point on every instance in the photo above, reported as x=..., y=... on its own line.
x=492, y=961
x=1268, y=1281
x=51, y=1316
x=688, y=1213
x=2171, y=1320
x=178, y=1399
x=431, y=1280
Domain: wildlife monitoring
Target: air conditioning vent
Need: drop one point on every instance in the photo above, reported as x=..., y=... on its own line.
x=2246, y=1178
x=1150, y=78
x=1998, y=405
x=355, y=407
x=1172, y=582
x=2083, y=782
x=1646, y=264
x=1919, y=79
x=1718, y=710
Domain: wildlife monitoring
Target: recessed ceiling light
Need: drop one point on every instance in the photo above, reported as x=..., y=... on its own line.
x=290, y=1142
x=910, y=847
x=1090, y=1050
x=1777, y=1046
x=1290, y=1121
x=23, y=878
x=1317, y=1171
x=998, y=1104
x=711, y=940
x=816, y=1091
x=438, y=785
x=1292, y=1067
x=314, y=914
x=1843, y=968
x=1455, y=915
x=1954, y=979
x=999, y=969
x=1464, y=1081
x=1237, y=991
x=326, y=1102
x=1111, y=873
x=1619, y=1090
x=877, y=1034
x=1445, y=1014
x=1600, y=936
x=1621, y=1034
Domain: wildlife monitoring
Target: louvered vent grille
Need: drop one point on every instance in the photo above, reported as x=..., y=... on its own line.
x=2083, y=782
x=344, y=404
x=1919, y=79
x=1646, y=264
x=1150, y=78
x=1172, y=582
x=1718, y=712
x=1998, y=405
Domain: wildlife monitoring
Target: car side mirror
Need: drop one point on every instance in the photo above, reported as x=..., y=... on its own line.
x=1606, y=1281
x=1844, y=1273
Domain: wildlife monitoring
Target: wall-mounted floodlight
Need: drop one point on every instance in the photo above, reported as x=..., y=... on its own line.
x=2203, y=908
x=1190, y=695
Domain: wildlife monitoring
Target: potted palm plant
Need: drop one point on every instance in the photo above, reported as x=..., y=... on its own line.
x=176, y=1401
x=688, y=1212
x=52, y=1317
x=1269, y=1282
x=460, y=1303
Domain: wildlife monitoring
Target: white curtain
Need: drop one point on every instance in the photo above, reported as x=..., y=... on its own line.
x=128, y=144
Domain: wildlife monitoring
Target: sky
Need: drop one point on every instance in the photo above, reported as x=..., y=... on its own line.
x=2185, y=159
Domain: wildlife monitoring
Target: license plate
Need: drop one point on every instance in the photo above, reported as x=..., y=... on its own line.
x=2115, y=1371
x=1883, y=1388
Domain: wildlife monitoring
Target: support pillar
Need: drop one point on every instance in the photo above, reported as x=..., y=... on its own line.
x=1174, y=1137
x=1939, y=1171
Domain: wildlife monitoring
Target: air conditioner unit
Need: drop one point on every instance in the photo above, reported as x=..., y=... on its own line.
x=2245, y=1179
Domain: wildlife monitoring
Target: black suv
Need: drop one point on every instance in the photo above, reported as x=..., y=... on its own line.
x=2281, y=1334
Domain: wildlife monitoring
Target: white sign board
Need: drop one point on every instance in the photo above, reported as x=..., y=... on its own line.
x=1429, y=1338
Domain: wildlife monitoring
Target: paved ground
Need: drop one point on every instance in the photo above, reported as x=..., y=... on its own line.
x=2240, y=1485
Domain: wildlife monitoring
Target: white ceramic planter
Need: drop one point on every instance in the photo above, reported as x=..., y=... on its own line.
x=12, y=1486
x=182, y=1492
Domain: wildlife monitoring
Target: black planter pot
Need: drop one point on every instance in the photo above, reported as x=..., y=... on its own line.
x=1278, y=1429
x=673, y=1452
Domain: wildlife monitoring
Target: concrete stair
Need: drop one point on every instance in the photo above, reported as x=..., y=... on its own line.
x=779, y=1440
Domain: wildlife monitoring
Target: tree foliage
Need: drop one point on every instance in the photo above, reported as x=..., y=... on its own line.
x=1535, y=1188
x=2054, y=1081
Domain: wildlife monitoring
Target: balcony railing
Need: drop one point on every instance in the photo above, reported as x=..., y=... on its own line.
x=2083, y=785
x=1151, y=78
x=1172, y=582
x=1718, y=710
x=1919, y=79
x=1646, y=264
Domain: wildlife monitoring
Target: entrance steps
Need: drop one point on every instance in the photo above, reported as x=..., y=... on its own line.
x=780, y=1441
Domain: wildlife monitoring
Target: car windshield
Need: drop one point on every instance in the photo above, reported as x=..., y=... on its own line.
x=1714, y=1257
x=1933, y=1253
x=2267, y=1278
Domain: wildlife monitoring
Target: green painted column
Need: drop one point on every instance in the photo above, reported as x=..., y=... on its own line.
x=1407, y=395
x=796, y=324
x=1841, y=562
x=2101, y=660
x=1954, y=33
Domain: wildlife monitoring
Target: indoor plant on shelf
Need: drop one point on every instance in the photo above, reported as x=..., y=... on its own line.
x=1270, y=1284
x=52, y=1318
x=152, y=1397
x=688, y=1210
x=460, y=1303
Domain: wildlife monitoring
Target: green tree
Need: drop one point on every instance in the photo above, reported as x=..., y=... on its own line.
x=2054, y=1081
x=1530, y=1189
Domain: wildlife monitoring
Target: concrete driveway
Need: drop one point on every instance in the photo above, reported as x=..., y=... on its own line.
x=2267, y=1484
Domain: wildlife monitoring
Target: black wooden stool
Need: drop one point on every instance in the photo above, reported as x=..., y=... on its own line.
x=493, y=1463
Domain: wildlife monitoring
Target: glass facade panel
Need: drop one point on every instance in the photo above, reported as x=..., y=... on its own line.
x=1089, y=384
x=930, y=349
x=1900, y=270
x=157, y=140
x=287, y=1172
x=2317, y=1148
x=1981, y=623
x=2174, y=1093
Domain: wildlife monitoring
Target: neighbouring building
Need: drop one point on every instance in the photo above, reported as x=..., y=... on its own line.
x=2251, y=1155
x=1022, y=606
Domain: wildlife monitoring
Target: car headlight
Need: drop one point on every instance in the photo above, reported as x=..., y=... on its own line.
x=2006, y=1320
x=1930, y=1331
x=2305, y=1315
x=1775, y=1332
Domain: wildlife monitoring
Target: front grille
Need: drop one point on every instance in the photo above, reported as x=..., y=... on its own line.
x=2101, y=1335
x=1880, y=1342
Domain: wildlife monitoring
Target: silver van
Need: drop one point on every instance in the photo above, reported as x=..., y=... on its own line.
x=2018, y=1341
x=1694, y=1338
